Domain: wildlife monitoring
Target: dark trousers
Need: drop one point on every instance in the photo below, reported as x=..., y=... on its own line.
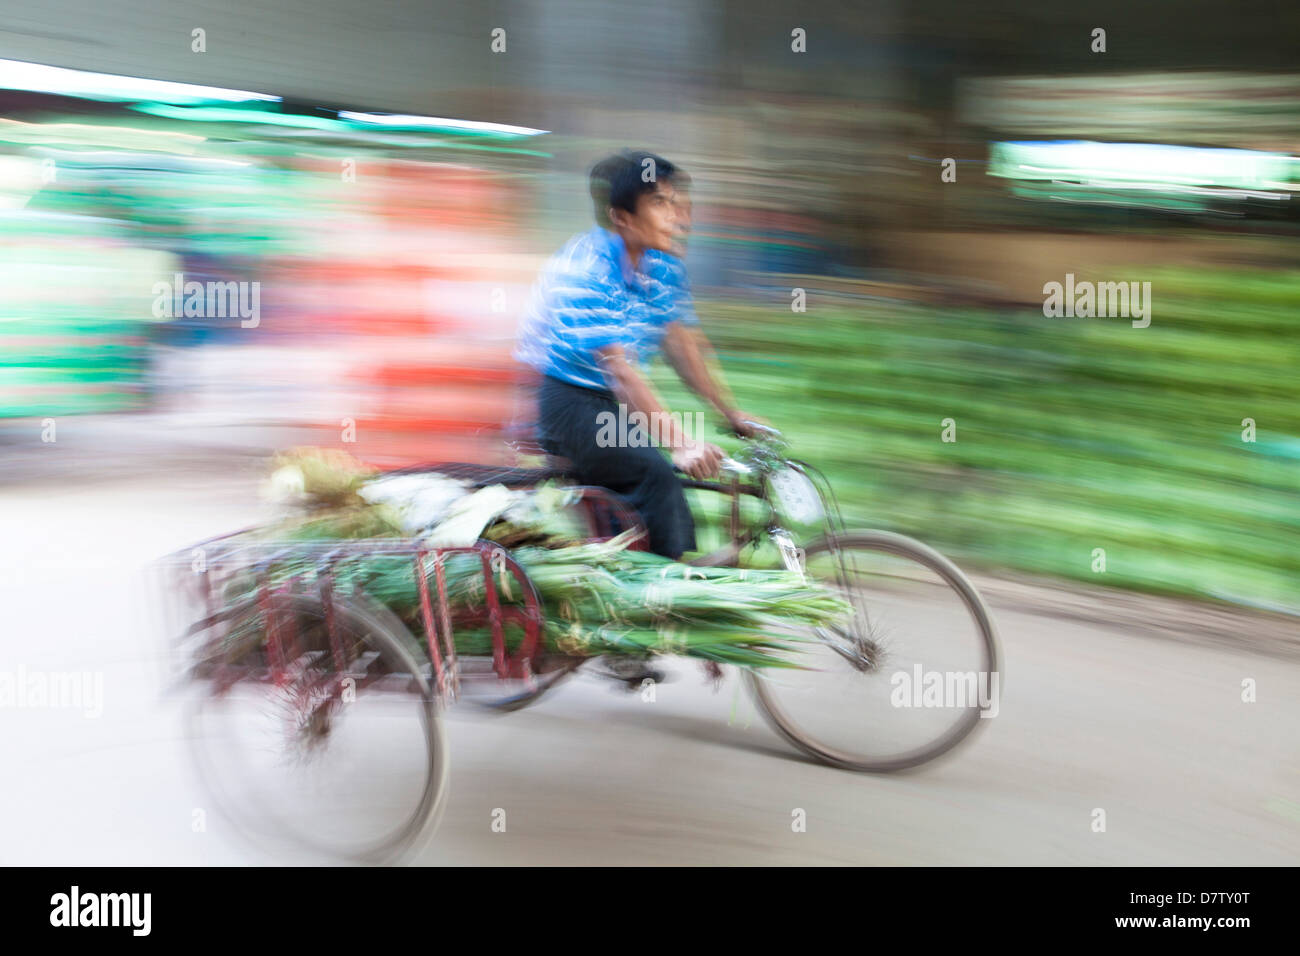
x=568, y=425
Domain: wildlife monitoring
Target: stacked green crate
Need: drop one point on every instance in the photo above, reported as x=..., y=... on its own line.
x=73, y=319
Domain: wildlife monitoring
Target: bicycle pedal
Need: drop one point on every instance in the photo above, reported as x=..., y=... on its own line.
x=632, y=682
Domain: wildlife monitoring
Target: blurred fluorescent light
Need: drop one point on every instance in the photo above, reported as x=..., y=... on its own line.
x=227, y=114
x=317, y=127
x=38, y=78
x=1141, y=164
x=437, y=122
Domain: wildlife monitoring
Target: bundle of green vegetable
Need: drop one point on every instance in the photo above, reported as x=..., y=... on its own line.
x=597, y=598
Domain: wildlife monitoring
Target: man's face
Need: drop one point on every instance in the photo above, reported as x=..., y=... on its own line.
x=662, y=220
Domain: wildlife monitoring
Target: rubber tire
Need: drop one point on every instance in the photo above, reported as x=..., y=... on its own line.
x=904, y=547
x=390, y=638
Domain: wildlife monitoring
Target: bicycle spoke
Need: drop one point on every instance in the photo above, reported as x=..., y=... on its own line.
x=914, y=623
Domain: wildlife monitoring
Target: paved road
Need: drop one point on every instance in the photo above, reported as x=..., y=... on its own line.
x=1152, y=730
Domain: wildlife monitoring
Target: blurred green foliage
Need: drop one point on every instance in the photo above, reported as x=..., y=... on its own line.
x=1072, y=433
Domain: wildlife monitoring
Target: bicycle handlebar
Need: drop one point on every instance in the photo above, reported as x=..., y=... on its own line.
x=726, y=464
x=759, y=427
x=736, y=466
x=764, y=431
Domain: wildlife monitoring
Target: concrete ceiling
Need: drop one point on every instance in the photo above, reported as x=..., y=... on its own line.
x=426, y=56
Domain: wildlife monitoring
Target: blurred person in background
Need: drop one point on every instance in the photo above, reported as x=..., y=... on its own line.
x=601, y=308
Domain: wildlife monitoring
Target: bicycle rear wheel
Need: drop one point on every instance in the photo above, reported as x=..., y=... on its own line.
x=906, y=678
x=346, y=756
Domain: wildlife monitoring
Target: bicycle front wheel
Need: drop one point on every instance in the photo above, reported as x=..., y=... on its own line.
x=905, y=678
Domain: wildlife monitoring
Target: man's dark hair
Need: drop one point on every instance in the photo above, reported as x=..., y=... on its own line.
x=622, y=179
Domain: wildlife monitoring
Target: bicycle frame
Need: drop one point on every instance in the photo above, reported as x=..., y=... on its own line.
x=852, y=647
x=765, y=459
x=739, y=538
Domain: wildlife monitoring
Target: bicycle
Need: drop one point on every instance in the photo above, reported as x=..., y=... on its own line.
x=285, y=669
x=876, y=571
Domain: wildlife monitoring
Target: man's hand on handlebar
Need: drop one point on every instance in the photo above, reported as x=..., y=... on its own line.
x=745, y=426
x=698, y=459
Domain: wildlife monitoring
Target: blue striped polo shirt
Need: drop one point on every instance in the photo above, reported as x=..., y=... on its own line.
x=589, y=297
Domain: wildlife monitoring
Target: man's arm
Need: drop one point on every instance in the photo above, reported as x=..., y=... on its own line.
x=689, y=353
x=697, y=459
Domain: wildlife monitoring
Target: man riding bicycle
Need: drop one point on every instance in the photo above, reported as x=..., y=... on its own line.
x=601, y=308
